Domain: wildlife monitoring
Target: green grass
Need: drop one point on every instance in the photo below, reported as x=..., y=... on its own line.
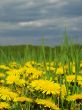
x=22, y=51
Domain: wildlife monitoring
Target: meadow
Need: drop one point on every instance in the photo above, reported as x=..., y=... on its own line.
x=41, y=77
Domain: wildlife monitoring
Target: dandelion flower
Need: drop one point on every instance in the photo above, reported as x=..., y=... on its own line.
x=22, y=99
x=71, y=78
x=7, y=94
x=74, y=97
x=10, y=79
x=47, y=103
x=1, y=75
x=60, y=70
x=4, y=67
x=46, y=86
x=4, y=105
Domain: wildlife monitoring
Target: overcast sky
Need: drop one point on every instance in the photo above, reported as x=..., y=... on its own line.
x=27, y=21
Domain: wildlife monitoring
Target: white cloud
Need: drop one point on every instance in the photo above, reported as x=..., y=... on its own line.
x=37, y=23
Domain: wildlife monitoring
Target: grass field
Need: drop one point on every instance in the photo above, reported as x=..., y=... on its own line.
x=41, y=78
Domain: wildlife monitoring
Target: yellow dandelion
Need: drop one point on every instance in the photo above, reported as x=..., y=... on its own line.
x=47, y=103
x=63, y=91
x=33, y=73
x=7, y=94
x=21, y=82
x=80, y=83
x=46, y=86
x=15, y=71
x=51, y=68
x=23, y=99
x=74, y=97
x=4, y=105
x=81, y=64
x=79, y=78
x=60, y=70
x=10, y=79
x=4, y=67
x=28, y=64
x=73, y=69
x=2, y=75
x=71, y=78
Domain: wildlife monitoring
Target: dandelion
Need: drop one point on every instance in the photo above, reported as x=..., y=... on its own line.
x=10, y=79
x=23, y=99
x=74, y=97
x=4, y=67
x=71, y=78
x=21, y=82
x=80, y=83
x=50, y=68
x=63, y=91
x=4, y=105
x=28, y=64
x=46, y=86
x=81, y=64
x=60, y=70
x=33, y=73
x=47, y=103
x=2, y=75
x=7, y=94
x=73, y=69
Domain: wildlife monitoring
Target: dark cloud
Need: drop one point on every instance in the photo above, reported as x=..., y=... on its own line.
x=23, y=20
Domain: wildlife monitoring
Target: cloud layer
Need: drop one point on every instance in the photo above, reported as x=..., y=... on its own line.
x=26, y=21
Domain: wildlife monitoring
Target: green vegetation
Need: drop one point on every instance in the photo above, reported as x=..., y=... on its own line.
x=41, y=77
x=20, y=51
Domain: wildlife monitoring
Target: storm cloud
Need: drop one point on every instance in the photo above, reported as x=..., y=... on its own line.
x=27, y=21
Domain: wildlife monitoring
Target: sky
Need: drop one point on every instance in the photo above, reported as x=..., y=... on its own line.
x=28, y=21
